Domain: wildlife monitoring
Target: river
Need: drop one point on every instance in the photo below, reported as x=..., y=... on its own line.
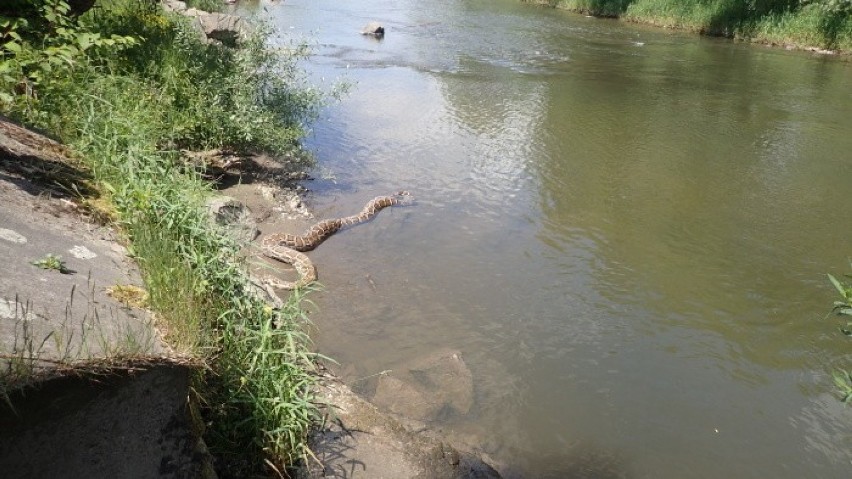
x=624, y=231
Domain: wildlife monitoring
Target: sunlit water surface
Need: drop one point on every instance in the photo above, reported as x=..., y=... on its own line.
x=624, y=231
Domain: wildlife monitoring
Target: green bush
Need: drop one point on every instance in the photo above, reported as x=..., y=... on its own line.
x=601, y=8
x=843, y=308
x=206, y=5
x=41, y=45
x=251, y=98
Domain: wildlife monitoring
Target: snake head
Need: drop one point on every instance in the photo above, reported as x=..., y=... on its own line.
x=403, y=198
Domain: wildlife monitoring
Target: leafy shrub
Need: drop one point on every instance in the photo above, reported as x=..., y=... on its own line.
x=44, y=43
x=247, y=98
x=843, y=308
x=250, y=98
x=206, y=5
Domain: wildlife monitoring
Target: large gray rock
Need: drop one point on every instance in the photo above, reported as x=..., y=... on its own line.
x=234, y=216
x=65, y=312
x=219, y=27
x=438, y=386
x=373, y=28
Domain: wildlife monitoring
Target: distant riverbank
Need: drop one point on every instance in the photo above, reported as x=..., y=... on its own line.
x=820, y=25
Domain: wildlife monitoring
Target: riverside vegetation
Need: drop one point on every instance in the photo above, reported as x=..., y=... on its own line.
x=823, y=24
x=843, y=309
x=127, y=86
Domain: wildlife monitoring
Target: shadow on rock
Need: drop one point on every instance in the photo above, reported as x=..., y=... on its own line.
x=123, y=423
x=46, y=164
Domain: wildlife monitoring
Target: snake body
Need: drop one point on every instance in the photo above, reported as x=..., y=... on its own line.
x=288, y=248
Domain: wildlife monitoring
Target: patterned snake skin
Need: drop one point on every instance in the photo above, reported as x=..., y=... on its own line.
x=287, y=248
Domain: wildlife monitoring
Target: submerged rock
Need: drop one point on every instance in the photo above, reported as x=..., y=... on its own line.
x=430, y=388
x=358, y=440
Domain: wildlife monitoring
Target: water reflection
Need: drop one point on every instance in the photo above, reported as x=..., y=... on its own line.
x=679, y=195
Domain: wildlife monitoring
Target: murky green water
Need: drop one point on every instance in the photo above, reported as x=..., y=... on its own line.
x=624, y=231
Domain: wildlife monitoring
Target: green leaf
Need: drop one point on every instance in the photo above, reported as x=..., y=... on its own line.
x=837, y=285
x=12, y=46
x=842, y=380
x=86, y=40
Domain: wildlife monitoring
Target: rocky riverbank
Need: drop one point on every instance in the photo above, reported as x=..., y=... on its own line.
x=85, y=382
x=387, y=436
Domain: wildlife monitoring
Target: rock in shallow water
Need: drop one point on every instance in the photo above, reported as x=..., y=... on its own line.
x=429, y=388
x=373, y=28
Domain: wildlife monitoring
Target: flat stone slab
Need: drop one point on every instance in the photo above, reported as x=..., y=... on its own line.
x=63, y=315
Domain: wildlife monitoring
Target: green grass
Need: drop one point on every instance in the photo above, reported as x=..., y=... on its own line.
x=206, y=5
x=600, y=8
x=128, y=111
x=817, y=24
x=806, y=27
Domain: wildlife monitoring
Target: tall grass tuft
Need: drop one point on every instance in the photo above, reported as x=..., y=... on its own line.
x=127, y=112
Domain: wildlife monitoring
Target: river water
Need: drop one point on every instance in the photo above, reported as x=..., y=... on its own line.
x=624, y=231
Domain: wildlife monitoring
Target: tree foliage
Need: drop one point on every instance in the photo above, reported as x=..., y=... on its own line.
x=43, y=39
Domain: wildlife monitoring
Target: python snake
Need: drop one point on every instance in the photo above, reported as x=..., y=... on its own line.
x=288, y=248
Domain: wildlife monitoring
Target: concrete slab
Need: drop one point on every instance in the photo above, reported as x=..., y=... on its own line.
x=126, y=423
x=66, y=314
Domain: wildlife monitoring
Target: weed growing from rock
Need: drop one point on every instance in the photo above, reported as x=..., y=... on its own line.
x=52, y=262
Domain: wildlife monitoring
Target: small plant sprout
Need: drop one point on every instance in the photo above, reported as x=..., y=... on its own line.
x=844, y=307
x=52, y=262
x=843, y=381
